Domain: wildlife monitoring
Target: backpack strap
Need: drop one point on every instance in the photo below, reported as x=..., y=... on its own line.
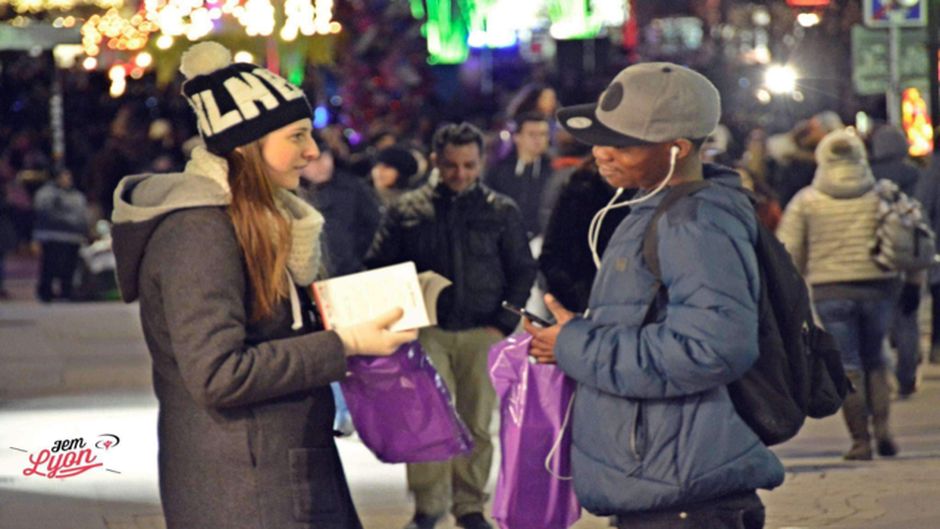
x=651, y=237
x=650, y=249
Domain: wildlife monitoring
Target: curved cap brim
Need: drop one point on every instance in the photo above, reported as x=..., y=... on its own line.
x=582, y=123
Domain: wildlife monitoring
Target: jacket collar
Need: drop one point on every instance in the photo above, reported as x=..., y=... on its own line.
x=714, y=173
x=440, y=190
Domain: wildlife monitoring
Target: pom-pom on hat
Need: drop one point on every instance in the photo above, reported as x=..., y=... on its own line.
x=841, y=147
x=236, y=104
x=842, y=165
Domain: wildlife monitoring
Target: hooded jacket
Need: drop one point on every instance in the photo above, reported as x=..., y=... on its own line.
x=246, y=412
x=653, y=425
x=829, y=227
x=889, y=159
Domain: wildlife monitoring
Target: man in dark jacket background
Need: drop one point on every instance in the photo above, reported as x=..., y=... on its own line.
x=523, y=175
x=890, y=161
x=350, y=211
x=475, y=237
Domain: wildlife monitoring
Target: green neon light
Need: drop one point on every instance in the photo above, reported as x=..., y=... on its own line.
x=296, y=75
x=573, y=19
x=478, y=12
x=447, y=32
x=450, y=22
x=417, y=9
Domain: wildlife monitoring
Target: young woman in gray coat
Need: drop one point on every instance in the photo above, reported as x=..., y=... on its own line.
x=218, y=256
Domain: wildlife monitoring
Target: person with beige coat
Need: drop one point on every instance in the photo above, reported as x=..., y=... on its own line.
x=829, y=228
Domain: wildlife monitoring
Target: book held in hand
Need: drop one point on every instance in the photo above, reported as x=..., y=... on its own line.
x=355, y=298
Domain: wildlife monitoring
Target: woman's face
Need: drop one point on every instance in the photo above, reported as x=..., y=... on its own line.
x=547, y=103
x=287, y=150
x=384, y=176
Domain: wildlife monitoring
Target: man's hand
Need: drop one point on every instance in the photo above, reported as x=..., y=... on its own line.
x=543, y=338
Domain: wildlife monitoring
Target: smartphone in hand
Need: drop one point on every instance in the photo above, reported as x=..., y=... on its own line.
x=526, y=314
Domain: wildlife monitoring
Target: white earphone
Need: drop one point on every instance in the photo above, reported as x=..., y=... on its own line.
x=594, y=230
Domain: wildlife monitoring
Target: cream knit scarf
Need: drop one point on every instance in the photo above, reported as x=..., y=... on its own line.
x=306, y=223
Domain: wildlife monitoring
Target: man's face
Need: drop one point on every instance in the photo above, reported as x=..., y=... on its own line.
x=814, y=134
x=638, y=166
x=459, y=165
x=532, y=138
x=65, y=179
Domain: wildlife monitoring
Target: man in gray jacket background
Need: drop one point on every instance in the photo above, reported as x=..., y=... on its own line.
x=656, y=439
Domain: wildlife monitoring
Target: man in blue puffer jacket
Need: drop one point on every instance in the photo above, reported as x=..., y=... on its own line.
x=657, y=441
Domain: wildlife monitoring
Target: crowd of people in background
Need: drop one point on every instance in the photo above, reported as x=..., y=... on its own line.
x=528, y=157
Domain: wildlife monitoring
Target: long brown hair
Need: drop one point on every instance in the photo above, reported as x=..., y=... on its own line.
x=262, y=232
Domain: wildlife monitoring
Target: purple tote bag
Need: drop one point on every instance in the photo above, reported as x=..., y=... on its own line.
x=401, y=408
x=534, y=407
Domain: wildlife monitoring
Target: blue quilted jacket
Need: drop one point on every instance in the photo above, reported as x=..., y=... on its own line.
x=653, y=424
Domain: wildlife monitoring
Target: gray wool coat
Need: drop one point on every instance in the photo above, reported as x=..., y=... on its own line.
x=246, y=412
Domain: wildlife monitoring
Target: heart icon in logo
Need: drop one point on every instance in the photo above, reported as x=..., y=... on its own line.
x=106, y=441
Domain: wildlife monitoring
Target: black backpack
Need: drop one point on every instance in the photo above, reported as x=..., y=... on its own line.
x=798, y=372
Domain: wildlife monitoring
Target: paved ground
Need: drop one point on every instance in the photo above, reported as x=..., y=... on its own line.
x=81, y=370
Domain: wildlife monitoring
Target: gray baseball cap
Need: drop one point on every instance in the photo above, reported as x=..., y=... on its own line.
x=652, y=102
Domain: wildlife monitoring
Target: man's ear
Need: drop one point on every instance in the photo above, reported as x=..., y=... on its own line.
x=686, y=148
x=433, y=159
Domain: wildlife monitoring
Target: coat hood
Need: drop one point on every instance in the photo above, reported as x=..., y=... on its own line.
x=842, y=170
x=721, y=174
x=141, y=202
x=738, y=204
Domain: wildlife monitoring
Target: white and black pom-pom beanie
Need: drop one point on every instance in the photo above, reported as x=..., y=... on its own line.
x=236, y=104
